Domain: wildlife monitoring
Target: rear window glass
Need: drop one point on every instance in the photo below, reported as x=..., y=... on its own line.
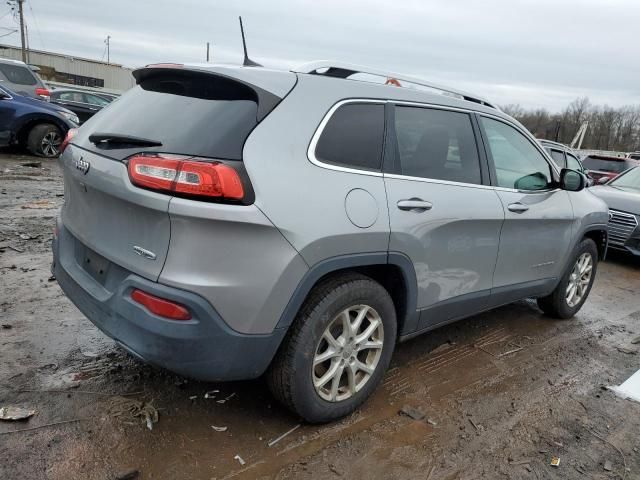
x=189, y=113
x=18, y=74
x=353, y=137
x=615, y=166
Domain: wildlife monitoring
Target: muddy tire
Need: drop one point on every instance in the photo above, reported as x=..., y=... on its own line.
x=44, y=140
x=574, y=287
x=337, y=349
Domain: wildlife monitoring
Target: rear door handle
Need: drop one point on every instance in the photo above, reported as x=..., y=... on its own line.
x=518, y=207
x=414, y=205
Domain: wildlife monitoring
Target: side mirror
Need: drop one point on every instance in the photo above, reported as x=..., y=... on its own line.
x=572, y=180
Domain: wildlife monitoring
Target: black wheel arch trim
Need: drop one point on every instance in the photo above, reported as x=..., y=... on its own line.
x=344, y=262
x=26, y=124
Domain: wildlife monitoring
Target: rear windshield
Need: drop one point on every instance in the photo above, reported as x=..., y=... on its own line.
x=18, y=74
x=615, y=166
x=189, y=113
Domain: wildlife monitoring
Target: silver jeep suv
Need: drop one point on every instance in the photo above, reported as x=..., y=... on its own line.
x=227, y=222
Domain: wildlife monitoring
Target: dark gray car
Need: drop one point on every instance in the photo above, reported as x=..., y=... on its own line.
x=622, y=194
x=226, y=222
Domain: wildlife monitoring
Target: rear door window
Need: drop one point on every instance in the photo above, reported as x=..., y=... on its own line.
x=18, y=74
x=188, y=112
x=353, y=137
x=436, y=144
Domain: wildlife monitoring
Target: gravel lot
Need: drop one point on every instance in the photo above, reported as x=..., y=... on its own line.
x=502, y=392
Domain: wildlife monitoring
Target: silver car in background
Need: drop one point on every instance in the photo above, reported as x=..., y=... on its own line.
x=226, y=222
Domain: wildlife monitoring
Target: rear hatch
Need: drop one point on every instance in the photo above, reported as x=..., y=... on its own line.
x=172, y=113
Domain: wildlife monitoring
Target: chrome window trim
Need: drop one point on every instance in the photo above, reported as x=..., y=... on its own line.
x=311, y=151
x=316, y=136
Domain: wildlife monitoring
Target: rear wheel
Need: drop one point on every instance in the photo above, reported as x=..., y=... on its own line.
x=44, y=140
x=337, y=350
x=574, y=287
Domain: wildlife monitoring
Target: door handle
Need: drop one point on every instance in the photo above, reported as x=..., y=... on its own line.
x=518, y=207
x=414, y=205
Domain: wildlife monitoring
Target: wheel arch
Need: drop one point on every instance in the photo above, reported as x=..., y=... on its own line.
x=600, y=235
x=393, y=270
x=27, y=125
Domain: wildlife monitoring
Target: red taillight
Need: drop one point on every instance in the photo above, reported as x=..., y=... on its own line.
x=70, y=134
x=160, y=306
x=197, y=178
x=42, y=92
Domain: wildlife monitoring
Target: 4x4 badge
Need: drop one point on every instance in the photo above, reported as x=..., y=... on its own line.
x=82, y=165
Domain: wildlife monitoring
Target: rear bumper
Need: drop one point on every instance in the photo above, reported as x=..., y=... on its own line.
x=204, y=348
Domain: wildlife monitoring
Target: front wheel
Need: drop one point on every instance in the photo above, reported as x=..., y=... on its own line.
x=44, y=140
x=575, y=285
x=338, y=349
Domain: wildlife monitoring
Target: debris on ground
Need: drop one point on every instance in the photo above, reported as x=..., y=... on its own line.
x=627, y=351
x=227, y=398
x=271, y=443
x=16, y=413
x=555, y=461
x=240, y=460
x=411, y=412
x=128, y=475
x=7, y=326
x=130, y=410
x=211, y=394
x=31, y=164
x=432, y=422
x=219, y=429
x=636, y=340
x=608, y=466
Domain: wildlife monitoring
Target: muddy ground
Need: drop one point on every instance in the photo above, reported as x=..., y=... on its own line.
x=503, y=392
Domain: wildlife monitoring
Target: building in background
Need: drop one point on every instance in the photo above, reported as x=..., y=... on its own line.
x=57, y=68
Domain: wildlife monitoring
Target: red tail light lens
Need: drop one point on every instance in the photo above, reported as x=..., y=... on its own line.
x=160, y=306
x=196, y=178
x=70, y=134
x=43, y=92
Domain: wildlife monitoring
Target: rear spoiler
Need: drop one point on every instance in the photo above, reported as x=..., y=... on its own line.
x=266, y=101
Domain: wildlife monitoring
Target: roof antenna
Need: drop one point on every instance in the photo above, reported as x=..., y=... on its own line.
x=247, y=61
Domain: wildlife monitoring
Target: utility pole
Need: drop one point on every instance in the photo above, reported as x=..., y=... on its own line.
x=107, y=41
x=23, y=43
x=207, y=52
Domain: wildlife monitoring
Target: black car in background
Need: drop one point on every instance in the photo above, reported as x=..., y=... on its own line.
x=622, y=195
x=84, y=104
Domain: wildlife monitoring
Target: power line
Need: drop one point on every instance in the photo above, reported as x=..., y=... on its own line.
x=35, y=21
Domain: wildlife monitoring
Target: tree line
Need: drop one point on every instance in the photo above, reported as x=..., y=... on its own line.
x=616, y=129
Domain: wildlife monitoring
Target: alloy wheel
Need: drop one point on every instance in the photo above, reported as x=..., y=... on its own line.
x=579, y=279
x=50, y=144
x=348, y=353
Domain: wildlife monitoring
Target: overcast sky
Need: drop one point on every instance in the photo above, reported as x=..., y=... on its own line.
x=538, y=53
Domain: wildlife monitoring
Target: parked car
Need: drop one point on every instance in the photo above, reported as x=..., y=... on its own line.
x=300, y=223
x=634, y=155
x=110, y=97
x=622, y=195
x=565, y=157
x=20, y=78
x=83, y=104
x=603, y=168
x=36, y=125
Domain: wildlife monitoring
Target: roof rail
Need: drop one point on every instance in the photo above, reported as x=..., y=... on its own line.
x=345, y=70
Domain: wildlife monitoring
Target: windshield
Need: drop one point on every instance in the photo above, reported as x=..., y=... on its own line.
x=631, y=180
